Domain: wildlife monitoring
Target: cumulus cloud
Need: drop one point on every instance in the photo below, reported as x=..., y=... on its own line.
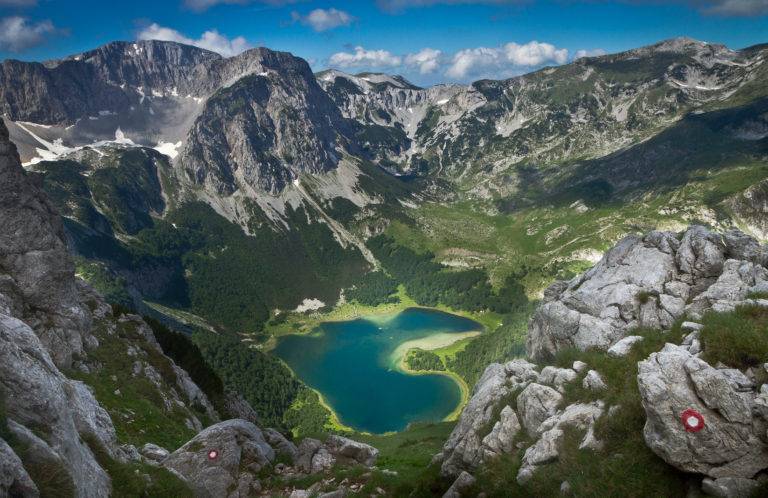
x=203, y=5
x=580, y=54
x=210, y=40
x=324, y=19
x=18, y=34
x=505, y=59
x=427, y=60
x=365, y=58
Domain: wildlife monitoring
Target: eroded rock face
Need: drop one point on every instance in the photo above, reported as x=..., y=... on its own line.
x=581, y=416
x=536, y=404
x=66, y=410
x=464, y=449
x=240, y=448
x=39, y=283
x=647, y=281
x=733, y=440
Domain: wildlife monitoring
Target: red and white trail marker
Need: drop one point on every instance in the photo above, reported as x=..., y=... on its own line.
x=213, y=455
x=692, y=420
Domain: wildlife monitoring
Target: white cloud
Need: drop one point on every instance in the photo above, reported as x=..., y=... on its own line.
x=18, y=34
x=426, y=59
x=365, y=58
x=534, y=54
x=210, y=40
x=504, y=60
x=324, y=19
x=589, y=53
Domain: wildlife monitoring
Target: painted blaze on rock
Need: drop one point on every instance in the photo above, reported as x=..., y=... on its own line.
x=692, y=420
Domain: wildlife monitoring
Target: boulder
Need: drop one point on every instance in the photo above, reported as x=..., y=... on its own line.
x=594, y=381
x=546, y=449
x=281, y=444
x=342, y=447
x=731, y=444
x=536, y=404
x=596, y=309
x=214, y=461
x=579, y=366
x=580, y=416
x=154, y=452
x=624, y=346
x=306, y=450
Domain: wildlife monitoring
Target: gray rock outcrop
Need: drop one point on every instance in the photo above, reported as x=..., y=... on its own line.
x=536, y=404
x=345, y=448
x=240, y=453
x=44, y=398
x=464, y=449
x=647, y=281
x=733, y=441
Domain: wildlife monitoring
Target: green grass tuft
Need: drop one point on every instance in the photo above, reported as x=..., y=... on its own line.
x=738, y=339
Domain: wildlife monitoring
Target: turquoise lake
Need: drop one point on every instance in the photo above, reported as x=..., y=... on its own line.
x=353, y=365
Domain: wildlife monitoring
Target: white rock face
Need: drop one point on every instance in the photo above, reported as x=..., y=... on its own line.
x=536, y=404
x=646, y=282
x=623, y=347
x=464, y=449
x=732, y=442
x=501, y=439
x=594, y=381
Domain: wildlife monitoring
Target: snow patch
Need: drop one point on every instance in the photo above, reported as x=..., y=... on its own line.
x=168, y=148
x=309, y=305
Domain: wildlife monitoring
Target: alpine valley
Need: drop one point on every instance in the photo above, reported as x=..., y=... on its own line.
x=550, y=268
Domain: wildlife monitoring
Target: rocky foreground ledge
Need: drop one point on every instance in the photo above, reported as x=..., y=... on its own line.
x=652, y=281
x=648, y=281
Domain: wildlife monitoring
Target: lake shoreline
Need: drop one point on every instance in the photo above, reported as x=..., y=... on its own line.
x=434, y=341
x=456, y=378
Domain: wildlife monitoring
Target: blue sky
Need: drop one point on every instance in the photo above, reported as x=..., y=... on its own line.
x=428, y=41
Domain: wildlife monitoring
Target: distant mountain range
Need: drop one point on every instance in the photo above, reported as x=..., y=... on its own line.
x=130, y=135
